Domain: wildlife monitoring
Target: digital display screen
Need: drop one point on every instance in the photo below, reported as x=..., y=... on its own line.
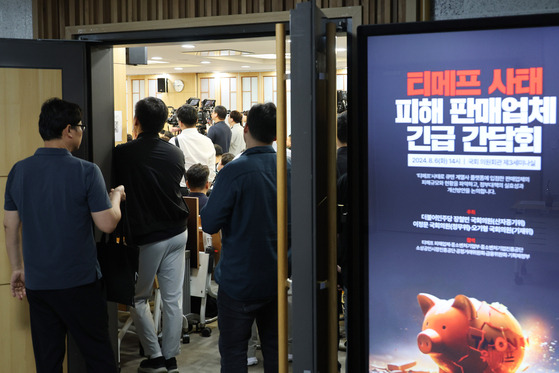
x=193, y=101
x=463, y=194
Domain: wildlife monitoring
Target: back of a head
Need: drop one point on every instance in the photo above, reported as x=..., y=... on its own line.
x=226, y=158
x=342, y=127
x=221, y=111
x=236, y=116
x=218, y=150
x=197, y=176
x=152, y=114
x=55, y=115
x=188, y=115
x=261, y=122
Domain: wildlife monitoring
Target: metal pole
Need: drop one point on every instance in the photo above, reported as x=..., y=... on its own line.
x=332, y=203
x=282, y=198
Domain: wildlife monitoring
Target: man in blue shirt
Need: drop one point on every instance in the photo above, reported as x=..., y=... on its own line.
x=243, y=205
x=220, y=133
x=54, y=198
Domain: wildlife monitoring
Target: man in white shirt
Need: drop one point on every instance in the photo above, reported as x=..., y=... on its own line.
x=196, y=147
x=237, y=139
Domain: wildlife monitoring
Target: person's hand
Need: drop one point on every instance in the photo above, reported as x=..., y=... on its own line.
x=120, y=189
x=17, y=284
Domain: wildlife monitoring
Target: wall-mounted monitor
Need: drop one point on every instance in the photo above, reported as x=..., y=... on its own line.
x=459, y=132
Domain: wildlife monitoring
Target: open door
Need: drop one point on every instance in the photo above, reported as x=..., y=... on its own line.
x=313, y=112
x=32, y=71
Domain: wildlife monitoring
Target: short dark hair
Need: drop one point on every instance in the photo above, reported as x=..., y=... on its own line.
x=261, y=122
x=342, y=127
x=236, y=116
x=55, y=115
x=197, y=176
x=152, y=114
x=226, y=158
x=218, y=149
x=221, y=111
x=188, y=115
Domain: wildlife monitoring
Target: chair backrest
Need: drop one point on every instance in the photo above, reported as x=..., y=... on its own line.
x=192, y=225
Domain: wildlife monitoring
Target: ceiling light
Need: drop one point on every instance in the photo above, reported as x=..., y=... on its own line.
x=268, y=56
x=157, y=58
x=188, y=46
x=245, y=67
x=178, y=68
x=205, y=62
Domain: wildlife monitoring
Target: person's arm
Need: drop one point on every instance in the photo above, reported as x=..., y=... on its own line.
x=108, y=219
x=12, y=225
x=211, y=166
x=211, y=134
x=219, y=208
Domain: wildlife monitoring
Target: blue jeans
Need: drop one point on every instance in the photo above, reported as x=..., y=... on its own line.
x=235, y=320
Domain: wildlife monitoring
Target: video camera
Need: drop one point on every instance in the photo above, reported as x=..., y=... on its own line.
x=172, y=120
x=204, y=114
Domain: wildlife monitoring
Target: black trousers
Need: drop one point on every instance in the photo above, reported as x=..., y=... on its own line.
x=79, y=311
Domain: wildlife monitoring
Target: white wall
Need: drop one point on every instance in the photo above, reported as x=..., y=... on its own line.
x=453, y=9
x=16, y=19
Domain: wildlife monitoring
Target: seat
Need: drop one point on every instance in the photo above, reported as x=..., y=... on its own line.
x=200, y=278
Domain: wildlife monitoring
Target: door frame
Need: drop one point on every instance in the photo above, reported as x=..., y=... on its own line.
x=223, y=27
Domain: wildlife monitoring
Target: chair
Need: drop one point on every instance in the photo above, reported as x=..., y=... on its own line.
x=200, y=278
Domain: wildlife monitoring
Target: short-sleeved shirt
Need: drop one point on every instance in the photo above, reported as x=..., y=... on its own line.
x=54, y=194
x=220, y=134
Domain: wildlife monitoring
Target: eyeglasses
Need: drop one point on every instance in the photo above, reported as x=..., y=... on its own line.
x=83, y=126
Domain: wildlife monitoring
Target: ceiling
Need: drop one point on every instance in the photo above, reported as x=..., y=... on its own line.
x=227, y=56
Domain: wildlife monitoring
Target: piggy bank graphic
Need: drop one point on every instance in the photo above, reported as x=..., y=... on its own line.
x=464, y=335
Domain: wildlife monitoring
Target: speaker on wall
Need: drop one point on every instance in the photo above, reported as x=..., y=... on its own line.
x=137, y=56
x=161, y=84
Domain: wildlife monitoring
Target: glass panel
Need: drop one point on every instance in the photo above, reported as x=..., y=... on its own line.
x=233, y=101
x=268, y=89
x=246, y=101
x=135, y=86
x=211, y=83
x=204, y=85
x=225, y=93
x=142, y=89
x=254, y=89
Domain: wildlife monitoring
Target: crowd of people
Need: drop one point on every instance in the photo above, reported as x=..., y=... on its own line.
x=56, y=199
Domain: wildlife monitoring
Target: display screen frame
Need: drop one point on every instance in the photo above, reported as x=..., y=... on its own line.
x=363, y=200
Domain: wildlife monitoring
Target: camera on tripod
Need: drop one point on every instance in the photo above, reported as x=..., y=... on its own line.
x=172, y=120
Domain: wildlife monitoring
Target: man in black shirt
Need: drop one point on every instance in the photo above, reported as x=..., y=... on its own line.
x=153, y=168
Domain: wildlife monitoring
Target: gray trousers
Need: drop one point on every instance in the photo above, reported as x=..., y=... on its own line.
x=166, y=260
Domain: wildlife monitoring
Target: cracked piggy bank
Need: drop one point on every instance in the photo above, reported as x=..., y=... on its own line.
x=464, y=335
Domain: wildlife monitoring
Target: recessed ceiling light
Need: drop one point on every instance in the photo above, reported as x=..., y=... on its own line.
x=188, y=46
x=205, y=62
x=157, y=58
x=245, y=67
x=178, y=68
